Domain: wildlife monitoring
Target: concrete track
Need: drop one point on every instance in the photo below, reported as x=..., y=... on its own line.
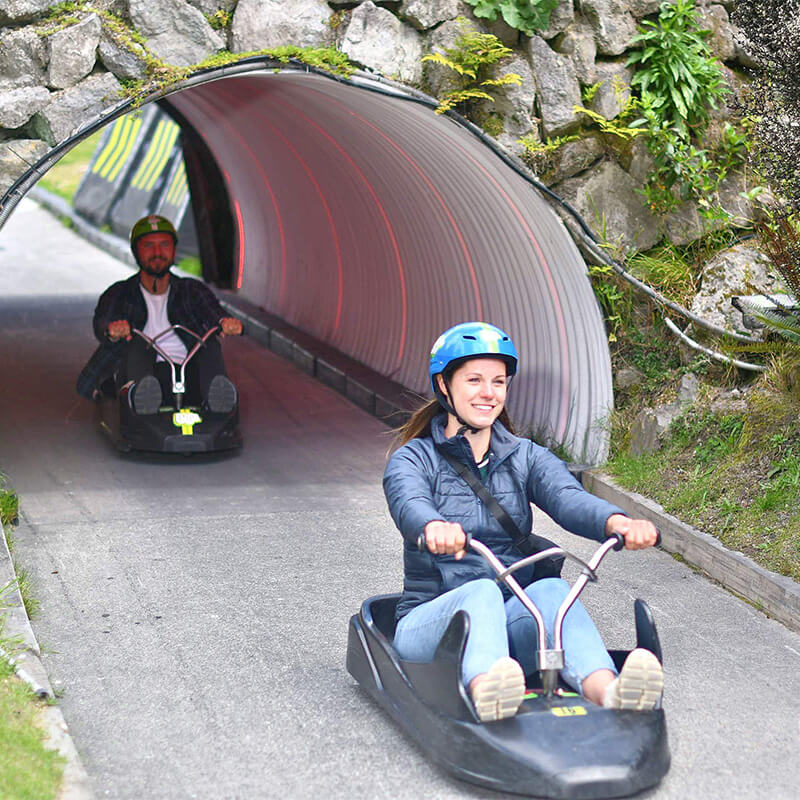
x=195, y=610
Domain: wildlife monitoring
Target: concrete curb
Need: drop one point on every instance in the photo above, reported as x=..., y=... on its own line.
x=775, y=595
x=28, y=665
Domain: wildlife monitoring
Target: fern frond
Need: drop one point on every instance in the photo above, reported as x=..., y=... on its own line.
x=504, y=80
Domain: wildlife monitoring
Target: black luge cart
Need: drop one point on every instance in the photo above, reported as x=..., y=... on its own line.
x=177, y=427
x=558, y=745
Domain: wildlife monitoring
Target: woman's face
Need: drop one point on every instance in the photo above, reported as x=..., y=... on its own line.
x=478, y=391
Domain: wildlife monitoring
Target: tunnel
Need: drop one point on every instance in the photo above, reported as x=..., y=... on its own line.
x=350, y=209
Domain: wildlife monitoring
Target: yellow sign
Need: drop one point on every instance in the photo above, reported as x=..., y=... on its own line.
x=185, y=419
x=569, y=711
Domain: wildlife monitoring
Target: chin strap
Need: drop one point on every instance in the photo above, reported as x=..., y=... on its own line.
x=445, y=404
x=155, y=274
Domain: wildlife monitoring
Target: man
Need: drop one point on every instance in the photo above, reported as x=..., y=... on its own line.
x=151, y=301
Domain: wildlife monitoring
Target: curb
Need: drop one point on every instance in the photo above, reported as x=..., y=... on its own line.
x=28, y=665
x=774, y=594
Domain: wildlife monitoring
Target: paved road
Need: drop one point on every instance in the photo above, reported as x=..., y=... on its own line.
x=195, y=610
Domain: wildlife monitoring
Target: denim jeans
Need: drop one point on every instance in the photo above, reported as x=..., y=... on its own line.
x=500, y=628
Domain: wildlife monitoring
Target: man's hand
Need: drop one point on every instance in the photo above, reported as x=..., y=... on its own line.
x=230, y=326
x=445, y=538
x=638, y=533
x=119, y=329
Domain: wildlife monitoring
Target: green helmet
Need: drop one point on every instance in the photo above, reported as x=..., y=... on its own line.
x=152, y=223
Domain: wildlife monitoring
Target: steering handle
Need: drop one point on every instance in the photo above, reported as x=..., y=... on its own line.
x=422, y=544
x=620, y=540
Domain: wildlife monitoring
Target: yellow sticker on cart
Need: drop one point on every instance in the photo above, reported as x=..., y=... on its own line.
x=186, y=419
x=569, y=711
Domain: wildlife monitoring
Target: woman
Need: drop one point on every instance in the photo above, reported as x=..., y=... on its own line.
x=470, y=369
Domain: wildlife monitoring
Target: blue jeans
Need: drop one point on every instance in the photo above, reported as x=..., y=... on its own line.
x=500, y=628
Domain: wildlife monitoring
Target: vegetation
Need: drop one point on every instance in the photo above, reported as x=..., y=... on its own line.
x=64, y=177
x=28, y=770
x=679, y=84
x=471, y=60
x=527, y=16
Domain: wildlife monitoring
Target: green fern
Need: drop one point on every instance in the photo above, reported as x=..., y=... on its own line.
x=471, y=58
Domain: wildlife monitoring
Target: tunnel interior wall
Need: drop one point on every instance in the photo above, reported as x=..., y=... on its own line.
x=373, y=224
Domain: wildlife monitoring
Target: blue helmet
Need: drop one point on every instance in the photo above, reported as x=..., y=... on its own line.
x=470, y=340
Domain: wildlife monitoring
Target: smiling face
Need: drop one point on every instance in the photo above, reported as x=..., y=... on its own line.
x=478, y=391
x=156, y=251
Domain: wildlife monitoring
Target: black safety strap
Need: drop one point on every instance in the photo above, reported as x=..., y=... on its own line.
x=527, y=544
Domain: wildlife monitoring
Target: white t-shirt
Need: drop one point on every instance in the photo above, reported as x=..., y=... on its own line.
x=158, y=321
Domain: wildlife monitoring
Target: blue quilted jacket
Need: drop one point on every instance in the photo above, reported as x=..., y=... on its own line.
x=420, y=486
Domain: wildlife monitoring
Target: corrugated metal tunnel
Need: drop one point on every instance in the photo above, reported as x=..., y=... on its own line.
x=370, y=222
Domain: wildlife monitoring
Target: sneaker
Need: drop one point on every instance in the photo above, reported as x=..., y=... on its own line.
x=639, y=685
x=499, y=694
x=222, y=395
x=145, y=395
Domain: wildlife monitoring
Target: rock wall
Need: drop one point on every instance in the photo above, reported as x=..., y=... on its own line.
x=55, y=77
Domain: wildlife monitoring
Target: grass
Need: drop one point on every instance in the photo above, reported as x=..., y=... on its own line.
x=28, y=770
x=63, y=177
x=735, y=476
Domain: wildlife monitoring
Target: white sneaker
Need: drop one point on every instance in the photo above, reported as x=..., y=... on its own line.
x=639, y=685
x=500, y=693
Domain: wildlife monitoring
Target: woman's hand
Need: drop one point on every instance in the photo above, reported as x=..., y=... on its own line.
x=638, y=533
x=445, y=538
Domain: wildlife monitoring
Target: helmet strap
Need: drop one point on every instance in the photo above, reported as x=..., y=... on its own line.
x=445, y=403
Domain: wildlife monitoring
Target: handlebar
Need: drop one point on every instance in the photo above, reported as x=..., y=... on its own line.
x=550, y=661
x=178, y=383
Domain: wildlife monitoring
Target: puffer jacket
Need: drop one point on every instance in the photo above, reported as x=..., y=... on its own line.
x=420, y=486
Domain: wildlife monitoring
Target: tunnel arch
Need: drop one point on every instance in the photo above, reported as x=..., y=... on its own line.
x=363, y=218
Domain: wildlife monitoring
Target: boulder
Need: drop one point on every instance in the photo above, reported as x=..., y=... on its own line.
x=557, y=87
x=16, y=157
x=572, y=158
x=73, y=51
x=126, y=61
x=560, y=18
x=259, y=24
x=212, y=6
x=606, y=197
x=514, y=104
x=685, y=224
x=17, y=106
x=71, y=108
x=615, y=88
x=23, y=59
x=612, y=23
x=578, y=43
x=176, y=32
x=378, y=40
x=715, y=18
x=640, y=162
x=740, y=270
x=627, y=377
x=438, y=78
x=14, y=12
x=641, y=8
x=424, y=14
x=651, y=426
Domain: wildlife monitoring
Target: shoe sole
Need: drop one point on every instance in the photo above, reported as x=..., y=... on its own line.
x=641, y=682
x=221, y=395
x=499, y=695
x=147, y=395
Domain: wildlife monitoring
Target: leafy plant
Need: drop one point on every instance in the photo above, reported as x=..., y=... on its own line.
x=527, y=16
x=472, y=58
x=220, y=19
x=539, y=154
x=679, y=83
x=665, y=269
x=613, y=127
x=614, y=300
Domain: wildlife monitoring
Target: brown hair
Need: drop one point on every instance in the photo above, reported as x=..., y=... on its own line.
x=419, y=423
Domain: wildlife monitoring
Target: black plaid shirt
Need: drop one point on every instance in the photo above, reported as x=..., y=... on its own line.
x=190, y=303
